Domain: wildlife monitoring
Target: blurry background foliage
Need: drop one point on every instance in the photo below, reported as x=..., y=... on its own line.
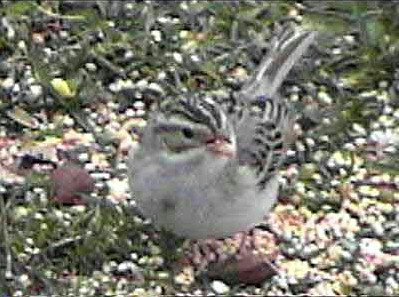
x=215, y=28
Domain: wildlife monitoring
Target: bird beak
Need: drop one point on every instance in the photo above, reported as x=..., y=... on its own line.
x=221, y=147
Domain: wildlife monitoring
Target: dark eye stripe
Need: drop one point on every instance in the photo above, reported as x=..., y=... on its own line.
x=166, y=128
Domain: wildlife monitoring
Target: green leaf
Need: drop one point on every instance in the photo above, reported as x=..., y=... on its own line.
x=4, y=44
x=375, y=31
x=19, y=8
x=23, y=117
x=40, y=69
x=358, y=8
x=63, y=88
x=325, y=23
x=38, y=180
x=211, y=70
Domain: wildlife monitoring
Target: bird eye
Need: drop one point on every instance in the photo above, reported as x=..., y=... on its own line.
x=187, y=132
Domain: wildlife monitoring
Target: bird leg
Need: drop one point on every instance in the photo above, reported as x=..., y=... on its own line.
x=169, y=244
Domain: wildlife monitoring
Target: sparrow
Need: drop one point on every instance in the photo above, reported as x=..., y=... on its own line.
x=209, y=170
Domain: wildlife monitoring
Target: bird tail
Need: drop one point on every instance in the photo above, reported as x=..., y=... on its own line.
x=285, y=50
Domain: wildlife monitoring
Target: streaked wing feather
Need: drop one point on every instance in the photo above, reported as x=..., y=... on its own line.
x=262, y=138
x=264, y=124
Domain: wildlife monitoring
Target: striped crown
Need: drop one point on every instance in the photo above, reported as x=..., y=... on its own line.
x=197, y=109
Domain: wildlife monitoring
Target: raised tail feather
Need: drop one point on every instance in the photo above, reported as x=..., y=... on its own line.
x=285, y=50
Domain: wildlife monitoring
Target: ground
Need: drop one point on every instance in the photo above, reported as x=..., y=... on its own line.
x=77, y=81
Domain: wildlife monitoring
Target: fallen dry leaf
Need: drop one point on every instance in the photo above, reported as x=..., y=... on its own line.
x=68, y=182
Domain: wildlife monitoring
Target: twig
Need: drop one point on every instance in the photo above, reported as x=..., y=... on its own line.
x=107, y=64
x=328, y=13
x=58, y=16
x=56, y=246
x=8, y=272
x=106, y=203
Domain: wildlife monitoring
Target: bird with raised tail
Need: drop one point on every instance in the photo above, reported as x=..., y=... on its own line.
x=206, y=170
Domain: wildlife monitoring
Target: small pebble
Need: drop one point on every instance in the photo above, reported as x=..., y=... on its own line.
x=157, y=35
x=8, y=83
x=220, y=287
x=91, y=67
x=178, y=57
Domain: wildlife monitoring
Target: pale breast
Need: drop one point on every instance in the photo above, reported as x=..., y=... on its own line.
x=200, y=202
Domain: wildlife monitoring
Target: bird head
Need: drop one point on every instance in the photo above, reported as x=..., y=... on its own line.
x=195, y=124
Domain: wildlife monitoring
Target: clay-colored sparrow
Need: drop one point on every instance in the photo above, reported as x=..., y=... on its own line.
x=206, y=171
